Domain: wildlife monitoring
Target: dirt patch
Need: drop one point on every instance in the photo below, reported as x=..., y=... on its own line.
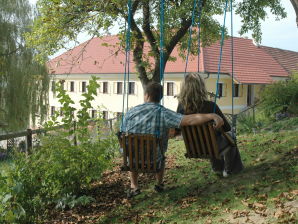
x=109, y=193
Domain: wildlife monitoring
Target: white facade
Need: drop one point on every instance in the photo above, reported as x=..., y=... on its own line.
x=109, y=99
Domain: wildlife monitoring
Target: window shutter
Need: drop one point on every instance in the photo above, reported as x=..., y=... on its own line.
x=165, y=89
x=100, y=87
x=110, y=88
x=240, y=90
x=115, y=87
x=224, y=91
x=80, y=86
x=136, y=88
x=175, y=89
x=122, y=89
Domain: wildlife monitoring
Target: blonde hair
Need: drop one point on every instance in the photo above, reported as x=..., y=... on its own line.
x=193, y=93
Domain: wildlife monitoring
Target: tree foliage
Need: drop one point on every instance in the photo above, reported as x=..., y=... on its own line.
x=60, y=21
x=23, y=82
x=281, y=97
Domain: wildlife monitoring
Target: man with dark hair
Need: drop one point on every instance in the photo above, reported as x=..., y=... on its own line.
x=155, y=91
x=152, y=118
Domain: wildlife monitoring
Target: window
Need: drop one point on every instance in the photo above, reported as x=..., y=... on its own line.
x=71, y=88
x=170, y=89
x=52, y=110
x=236, y=90
x=93, y=113
x=131, y=88
x=105, y=87
x=119, y=88
x=53, y=86
x=105, y=115
x=221, y=90
x=83, y=87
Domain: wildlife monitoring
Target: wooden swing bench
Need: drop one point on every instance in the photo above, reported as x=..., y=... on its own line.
x=140, y=152
x=201, y=142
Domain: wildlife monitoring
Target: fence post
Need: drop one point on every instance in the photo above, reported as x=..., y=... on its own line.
x=29, y=140
x=111, y=124
x=254, y=113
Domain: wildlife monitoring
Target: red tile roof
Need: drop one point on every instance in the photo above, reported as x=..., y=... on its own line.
x=287, y=59
x=252, y=64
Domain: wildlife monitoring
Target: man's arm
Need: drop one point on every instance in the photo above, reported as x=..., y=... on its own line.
x=198, y=119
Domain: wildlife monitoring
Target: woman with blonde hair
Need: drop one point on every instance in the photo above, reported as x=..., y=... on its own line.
x=193, y=98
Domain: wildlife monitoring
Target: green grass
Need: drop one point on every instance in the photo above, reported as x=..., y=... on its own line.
x=262, y=193
x=195, y=195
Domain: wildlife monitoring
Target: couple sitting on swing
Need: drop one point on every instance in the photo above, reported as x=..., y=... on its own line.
x=193, y=109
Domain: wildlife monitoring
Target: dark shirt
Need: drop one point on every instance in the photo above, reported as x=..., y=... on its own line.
x=208, y=107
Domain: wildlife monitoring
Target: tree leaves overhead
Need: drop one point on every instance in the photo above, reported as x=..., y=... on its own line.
x=61, y=21
x=24, y=83
x=253, y=11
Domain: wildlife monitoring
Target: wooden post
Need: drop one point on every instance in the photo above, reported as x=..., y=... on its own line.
x=111, y=124
x=29, y=140
x=254, y=113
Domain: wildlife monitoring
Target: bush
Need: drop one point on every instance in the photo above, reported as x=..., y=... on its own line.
x=247, y=124
x=281, y=97
x=55, y=174
x=55, y=171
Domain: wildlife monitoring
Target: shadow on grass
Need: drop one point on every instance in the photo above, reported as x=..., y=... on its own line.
x=194, y=192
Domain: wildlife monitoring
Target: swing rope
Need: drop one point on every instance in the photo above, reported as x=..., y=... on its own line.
x=220, y=54
x=199, y=32
x=232, y=65
x=232, y=68
x=127, y=61
x=190, y=32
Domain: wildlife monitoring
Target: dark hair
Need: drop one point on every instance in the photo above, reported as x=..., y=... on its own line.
x=154, y=91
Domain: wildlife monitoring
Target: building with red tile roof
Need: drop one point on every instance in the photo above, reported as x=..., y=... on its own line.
x=254, y=67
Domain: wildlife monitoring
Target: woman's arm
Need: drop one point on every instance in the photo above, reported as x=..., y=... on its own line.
x=226, y=127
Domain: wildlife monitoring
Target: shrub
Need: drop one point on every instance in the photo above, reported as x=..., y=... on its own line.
x=281, y=96
x=247, y=124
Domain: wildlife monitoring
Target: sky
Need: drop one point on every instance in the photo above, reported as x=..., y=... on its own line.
x=281, y=34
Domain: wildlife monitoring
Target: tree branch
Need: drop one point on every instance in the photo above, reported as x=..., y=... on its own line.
x=138, y=53
x=171, y=45
x=147, y=30
x=295, y=6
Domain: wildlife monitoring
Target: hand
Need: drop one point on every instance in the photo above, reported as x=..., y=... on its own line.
x=218, y=121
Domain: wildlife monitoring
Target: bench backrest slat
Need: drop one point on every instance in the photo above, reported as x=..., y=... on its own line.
x=140, y=152
x=200, y=141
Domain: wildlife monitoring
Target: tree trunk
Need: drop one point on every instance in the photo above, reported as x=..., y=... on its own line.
x=295, y=6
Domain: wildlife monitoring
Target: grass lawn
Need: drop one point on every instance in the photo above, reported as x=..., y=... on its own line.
x=265, y=192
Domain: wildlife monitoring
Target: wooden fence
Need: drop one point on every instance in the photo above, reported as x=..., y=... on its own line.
x=27, y=135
